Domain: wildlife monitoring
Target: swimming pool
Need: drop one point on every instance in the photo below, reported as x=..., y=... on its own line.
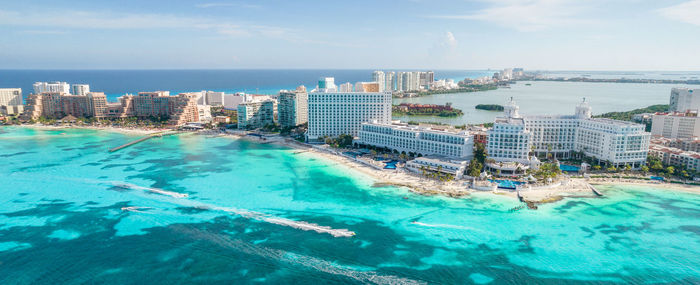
x=568, y=168
x=507, y=184
x=391, y=164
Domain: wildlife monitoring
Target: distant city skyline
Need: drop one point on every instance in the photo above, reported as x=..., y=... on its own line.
x=409, y=34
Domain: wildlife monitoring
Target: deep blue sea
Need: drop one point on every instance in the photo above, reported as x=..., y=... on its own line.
x=117, y=82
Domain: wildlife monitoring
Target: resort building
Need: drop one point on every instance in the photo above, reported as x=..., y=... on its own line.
x=256, y=114
x=10, y=96
x=689, y=144
x=676, y=157
x=293, y=107
x=80, y=89
x=683, y=100
x=424, y=140
x=514, y=138
x=379, y=77
x=334, y=113
x=204, y=113
x=176, y=109
x=437, y=164
x=51, y=87
x=59, y=105
x=346, y=87
x=676, y=125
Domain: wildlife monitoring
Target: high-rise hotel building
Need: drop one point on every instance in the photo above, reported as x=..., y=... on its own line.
x=514, y=137
x=80, y=89
x=51, y=87
x=333, y=113
x=293, y=107
x=683, y=100
x=10, y=96
x=256, y=114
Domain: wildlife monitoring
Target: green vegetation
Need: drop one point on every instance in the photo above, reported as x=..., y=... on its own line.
x=489, y=107
x=342, y=141
x=443, y=177
x=220, y=111
x=547, y=170
x=627, y=116
x=477, y=163
x=396, y=110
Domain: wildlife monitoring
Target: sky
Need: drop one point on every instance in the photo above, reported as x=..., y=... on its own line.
x=357, y=34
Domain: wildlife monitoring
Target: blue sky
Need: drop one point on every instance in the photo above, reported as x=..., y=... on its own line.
x=362, y=34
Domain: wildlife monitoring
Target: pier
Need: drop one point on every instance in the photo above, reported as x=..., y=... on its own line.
x=595, y=191
x=160, y=134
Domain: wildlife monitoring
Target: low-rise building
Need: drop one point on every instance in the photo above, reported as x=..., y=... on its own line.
x=689, y=144
x=256, y=114
x=438, y=164
x=676, y=157
x=423, y=140
x=204, y=113
x=11, y=110
x=221, y=120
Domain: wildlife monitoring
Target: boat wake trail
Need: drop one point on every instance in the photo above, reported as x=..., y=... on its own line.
x=301, y=225
x=446, y=226
x=149, y=189
x=277, y=255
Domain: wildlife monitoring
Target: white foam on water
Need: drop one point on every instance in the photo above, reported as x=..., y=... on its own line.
x=149, y=189
x=278, y=255
x=301, y=225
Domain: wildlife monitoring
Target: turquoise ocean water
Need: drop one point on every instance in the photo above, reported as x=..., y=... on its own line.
x=61, y=221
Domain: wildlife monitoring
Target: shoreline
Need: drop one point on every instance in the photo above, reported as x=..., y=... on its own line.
x=568, y=188
x=122, y=130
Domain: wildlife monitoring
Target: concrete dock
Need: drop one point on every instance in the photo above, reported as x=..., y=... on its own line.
x=161, y=134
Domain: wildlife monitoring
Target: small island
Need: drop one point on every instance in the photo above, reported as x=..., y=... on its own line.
x=489, y=107
x=408, y=109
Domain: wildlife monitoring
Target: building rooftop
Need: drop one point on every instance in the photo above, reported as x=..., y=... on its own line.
x=423, y=128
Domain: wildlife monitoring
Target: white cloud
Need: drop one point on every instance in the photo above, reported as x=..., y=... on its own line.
x=73, y=19
x=687, y=12
x=526, y=15
x=449, y=40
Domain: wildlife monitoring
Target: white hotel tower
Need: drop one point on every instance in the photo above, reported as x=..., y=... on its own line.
x=333, y=113
x=513, y=137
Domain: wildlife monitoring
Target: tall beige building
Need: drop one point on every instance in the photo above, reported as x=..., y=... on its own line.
x=293, y=107
x=256, y=114
x=177, y=110
x=676, y=125
x=58, y=105
x=10, y=96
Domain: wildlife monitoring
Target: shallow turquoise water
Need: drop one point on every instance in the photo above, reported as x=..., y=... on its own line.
x=61, y=221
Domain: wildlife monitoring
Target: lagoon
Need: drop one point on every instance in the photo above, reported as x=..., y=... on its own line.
x=61, y=221
x=546, y=98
